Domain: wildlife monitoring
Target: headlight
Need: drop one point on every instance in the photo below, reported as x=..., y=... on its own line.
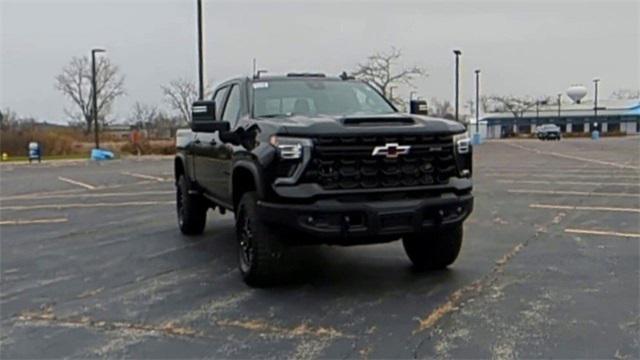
x=290, y=148
x=462, y=143
x=464, y=158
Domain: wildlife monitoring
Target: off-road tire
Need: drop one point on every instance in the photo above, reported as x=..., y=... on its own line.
x=434, y=250
x=191, y=209
x=260, y=252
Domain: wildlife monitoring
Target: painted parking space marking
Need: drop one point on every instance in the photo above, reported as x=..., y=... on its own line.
x=570, y=193
x=602, y=233
x=584, y=208
x=85, y=205
x=75, y=182
x=64, y=193
x=33, y=221
x=539, y=170
x=573, y=157
x=92, y=195
x=143, y=176
x=559, y=175
x=577, y=183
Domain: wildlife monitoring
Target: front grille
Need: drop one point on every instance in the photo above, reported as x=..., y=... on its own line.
x=346, y=162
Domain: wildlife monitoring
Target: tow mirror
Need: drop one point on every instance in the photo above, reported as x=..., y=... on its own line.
x=203, y=117
x=418, y=107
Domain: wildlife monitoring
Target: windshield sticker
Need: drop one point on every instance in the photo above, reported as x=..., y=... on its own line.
x=260, y=85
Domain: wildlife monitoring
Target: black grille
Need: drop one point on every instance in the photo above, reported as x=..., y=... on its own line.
x=346, y=162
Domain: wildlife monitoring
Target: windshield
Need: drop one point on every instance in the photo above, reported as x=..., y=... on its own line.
x=310, y=97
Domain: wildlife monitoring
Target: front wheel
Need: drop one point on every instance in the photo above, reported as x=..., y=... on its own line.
x=434, y=249
x=191, y=209
x=260, y=252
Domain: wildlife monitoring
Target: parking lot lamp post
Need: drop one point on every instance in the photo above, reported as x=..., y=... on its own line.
x=595, y=100
x=559, y=105
x=200, y=54
x=457, y=85
x=477, y=101
x=94, y=92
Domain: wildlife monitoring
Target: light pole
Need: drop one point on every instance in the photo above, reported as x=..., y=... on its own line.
x=477, y=101
x=200, y=54
x=457, y=54
x=559, y=105
x=595, y=100
x=94, y=92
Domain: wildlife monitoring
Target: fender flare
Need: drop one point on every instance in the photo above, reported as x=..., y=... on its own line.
x=254, y=170
x=181, y=158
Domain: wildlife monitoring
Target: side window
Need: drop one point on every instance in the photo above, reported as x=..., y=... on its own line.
x=232, y=109
x=218, y=97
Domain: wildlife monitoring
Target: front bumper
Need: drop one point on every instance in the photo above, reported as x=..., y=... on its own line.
x=335, y=221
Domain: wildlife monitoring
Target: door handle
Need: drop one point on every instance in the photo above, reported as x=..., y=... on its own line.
x=196, y=142
x=213, y=142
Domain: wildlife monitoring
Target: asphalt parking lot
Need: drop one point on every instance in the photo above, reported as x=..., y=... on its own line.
x=93, y=265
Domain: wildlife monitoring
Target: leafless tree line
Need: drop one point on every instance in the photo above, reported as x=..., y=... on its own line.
x=382, y=70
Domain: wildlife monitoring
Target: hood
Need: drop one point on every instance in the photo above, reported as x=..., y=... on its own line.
x=396, y=123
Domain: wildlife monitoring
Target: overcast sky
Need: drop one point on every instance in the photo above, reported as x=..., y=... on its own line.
x=523, y=47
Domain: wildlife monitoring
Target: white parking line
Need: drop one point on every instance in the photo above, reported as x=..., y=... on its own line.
x=75, y=182
x=85, y=205
x=559, y=174
x=571, y=193
x=584, y=208
x=573, y=157
x=143, y=176
x=34, y=221
x=90, y=195
x=54, y=194
x=601, y=232
x=577, y=183
x=547, y=170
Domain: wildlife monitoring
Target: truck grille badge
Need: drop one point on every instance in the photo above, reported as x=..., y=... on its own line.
x=391, y=150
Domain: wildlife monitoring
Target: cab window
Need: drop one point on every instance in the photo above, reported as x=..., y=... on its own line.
x=218, y=97
x=232, y=109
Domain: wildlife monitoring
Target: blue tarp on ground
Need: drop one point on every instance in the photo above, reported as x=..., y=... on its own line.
x=99, y=154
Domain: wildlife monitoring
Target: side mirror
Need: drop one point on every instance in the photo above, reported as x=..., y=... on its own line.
x=203, y=117
x=418, y=107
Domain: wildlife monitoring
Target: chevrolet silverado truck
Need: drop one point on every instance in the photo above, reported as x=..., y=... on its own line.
x=308, y=159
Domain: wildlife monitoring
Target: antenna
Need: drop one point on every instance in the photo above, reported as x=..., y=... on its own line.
x=253, y=73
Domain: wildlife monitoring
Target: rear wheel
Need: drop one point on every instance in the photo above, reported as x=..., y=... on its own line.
x=191, y=209
x=260, y=253
x=435, y=249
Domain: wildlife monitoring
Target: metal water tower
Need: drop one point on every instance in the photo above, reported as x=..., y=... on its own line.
x=576, y=93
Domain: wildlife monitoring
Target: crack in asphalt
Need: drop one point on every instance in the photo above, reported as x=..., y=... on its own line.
x=470, y=291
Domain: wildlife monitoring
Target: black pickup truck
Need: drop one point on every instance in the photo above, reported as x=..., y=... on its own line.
x=308, y=159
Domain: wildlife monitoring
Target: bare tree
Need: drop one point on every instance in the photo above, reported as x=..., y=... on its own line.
x=440, y=108
x=513, y=104
x=143, y=114
x=486, y=105
x=625, y=94
x=380, y=72
x=179, y=94
x=75, y=83
x=8, y=119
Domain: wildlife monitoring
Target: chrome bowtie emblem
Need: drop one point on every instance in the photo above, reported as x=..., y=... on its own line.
x=391, y=150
